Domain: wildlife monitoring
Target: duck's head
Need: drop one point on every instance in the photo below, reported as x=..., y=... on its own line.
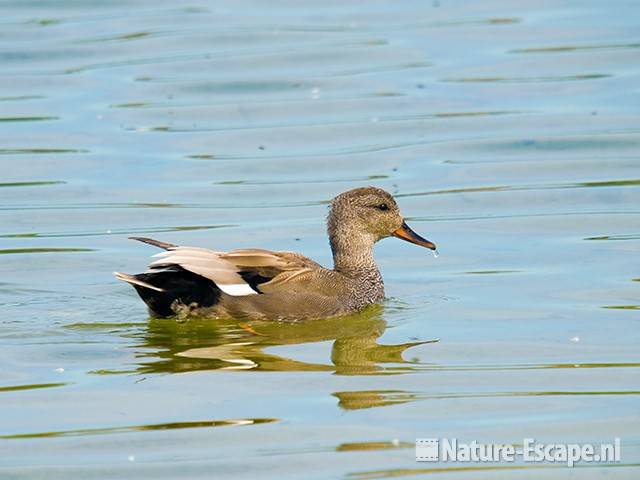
x=370, y=213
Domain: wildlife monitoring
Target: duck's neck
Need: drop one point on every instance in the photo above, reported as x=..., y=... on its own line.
x=353, y=257
x=353, y=253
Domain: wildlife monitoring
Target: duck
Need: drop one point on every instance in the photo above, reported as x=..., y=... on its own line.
x=259, y=284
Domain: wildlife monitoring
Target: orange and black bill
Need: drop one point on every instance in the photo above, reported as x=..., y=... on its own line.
x=405, y=233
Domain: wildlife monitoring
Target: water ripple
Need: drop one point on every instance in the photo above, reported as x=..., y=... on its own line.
x=459, y=218
x=28, y=119
x=328, y=123
x=631, y=236
x=575, y=48
x=515, y=188
x=212, y=54
x=241, y=422
x=115, y=231
x=31, y=184
x=15, y=388
x=543, y=79
x=13, y=251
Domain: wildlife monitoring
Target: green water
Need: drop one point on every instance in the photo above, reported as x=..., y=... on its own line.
x=509, y=132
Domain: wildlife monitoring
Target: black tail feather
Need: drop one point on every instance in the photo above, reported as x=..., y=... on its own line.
x=176, y=284
x=155, y=243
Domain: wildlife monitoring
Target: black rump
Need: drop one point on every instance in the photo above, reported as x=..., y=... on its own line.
x=177, y=284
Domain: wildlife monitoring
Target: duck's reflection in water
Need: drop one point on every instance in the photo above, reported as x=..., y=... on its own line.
x=170, y=346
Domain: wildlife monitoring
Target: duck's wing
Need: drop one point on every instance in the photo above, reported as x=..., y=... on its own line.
x=266, y=270
x=238, y=272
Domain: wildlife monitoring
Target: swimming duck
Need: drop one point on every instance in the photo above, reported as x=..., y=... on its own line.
x=259, y=284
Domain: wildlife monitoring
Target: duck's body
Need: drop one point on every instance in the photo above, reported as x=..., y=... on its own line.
x=267, y=285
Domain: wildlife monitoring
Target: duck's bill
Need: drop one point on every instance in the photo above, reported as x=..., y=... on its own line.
x=405, y=233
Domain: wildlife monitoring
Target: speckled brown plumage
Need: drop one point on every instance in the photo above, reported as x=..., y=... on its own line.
x=267, y=285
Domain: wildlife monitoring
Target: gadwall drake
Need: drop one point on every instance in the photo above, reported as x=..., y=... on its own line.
x=260, y=284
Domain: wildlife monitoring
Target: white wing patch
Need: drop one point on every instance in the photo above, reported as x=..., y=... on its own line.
x=208, y=264
x=237, y=290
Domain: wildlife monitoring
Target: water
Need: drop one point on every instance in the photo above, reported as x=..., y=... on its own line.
x=508, y=132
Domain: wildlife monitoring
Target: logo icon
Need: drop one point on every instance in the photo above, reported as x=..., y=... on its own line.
x=427, y=449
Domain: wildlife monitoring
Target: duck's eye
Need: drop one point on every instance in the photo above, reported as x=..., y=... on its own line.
x=383, y=207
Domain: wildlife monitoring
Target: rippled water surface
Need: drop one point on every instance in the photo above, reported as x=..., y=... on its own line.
x=509, y=132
